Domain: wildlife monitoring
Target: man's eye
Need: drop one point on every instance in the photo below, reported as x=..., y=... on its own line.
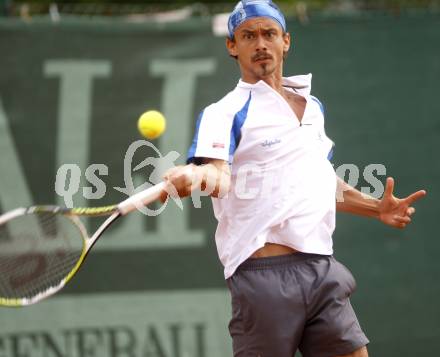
x=248, y=36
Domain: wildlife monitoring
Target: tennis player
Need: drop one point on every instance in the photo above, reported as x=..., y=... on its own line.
x=263, y=154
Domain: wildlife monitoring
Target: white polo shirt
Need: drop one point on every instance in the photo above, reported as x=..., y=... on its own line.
x=283, y=185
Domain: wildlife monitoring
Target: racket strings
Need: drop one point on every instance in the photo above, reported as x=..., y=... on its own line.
x=37, y=252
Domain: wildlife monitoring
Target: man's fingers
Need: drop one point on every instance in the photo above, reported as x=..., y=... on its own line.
x=170, y=189
x=410, y=211
x=389, y=187
x=196, y=179
x=170, y=172
x=163, y=196
x=180, y=178
x=401, y=225
x=415, y=196
x=400, y=219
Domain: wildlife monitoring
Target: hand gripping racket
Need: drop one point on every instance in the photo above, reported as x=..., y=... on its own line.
x=42, y=247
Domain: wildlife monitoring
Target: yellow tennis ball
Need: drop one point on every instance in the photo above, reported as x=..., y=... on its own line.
x=151, y=124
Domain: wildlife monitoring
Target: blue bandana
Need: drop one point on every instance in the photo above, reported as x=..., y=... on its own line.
x=247, y=9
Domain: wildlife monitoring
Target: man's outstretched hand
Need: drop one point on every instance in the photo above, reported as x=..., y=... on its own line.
x=394, y=211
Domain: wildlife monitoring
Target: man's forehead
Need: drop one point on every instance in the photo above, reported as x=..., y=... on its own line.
x=258, y=22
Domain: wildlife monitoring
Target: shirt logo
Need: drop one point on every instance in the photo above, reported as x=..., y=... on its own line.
x=270, y=143
x=218, y=145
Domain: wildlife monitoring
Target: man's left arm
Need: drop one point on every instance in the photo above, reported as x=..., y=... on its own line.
x=391, y=210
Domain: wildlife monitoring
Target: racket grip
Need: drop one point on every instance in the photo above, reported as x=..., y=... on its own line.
x=142, y=198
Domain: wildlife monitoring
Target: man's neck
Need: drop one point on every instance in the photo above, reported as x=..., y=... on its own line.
x=274, y=81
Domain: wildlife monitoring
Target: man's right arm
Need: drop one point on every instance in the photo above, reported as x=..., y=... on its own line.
x=212, y=177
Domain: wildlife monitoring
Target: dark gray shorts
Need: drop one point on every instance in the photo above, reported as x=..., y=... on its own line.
x=298, y=301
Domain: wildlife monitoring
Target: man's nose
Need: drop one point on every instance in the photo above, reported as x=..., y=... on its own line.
x=260, y=44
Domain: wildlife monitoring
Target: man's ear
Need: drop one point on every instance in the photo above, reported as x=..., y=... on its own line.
x=232, y=47
x=286, y=40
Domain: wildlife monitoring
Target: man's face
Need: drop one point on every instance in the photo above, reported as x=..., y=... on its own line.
x=259, y=44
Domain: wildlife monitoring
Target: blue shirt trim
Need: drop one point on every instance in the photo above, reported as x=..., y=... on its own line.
x=192, y=150
x=330, y=154
x=321, y=106
x=239, y=119
x=319, y=103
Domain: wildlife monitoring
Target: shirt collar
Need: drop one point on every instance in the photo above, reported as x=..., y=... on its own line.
x=301, y=83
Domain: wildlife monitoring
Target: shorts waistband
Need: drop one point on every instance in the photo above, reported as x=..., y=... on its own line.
x=277, y=261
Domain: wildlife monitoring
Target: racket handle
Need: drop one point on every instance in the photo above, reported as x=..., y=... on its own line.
x=142, y=198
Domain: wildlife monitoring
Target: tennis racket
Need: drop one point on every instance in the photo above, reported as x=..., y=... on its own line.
x=42, y=247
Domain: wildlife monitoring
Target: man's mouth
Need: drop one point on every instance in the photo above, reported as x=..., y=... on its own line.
x=261, y=57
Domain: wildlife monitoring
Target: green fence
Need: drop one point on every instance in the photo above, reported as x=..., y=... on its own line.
x=71, y=92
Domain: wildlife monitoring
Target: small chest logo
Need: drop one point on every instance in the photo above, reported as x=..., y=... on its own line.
x=269, y=143
x=218, y=145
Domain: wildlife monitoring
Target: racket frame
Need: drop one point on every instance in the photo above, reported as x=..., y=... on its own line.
x=132, y=203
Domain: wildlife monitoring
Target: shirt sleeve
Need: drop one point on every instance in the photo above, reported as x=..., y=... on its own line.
x=212, y=138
